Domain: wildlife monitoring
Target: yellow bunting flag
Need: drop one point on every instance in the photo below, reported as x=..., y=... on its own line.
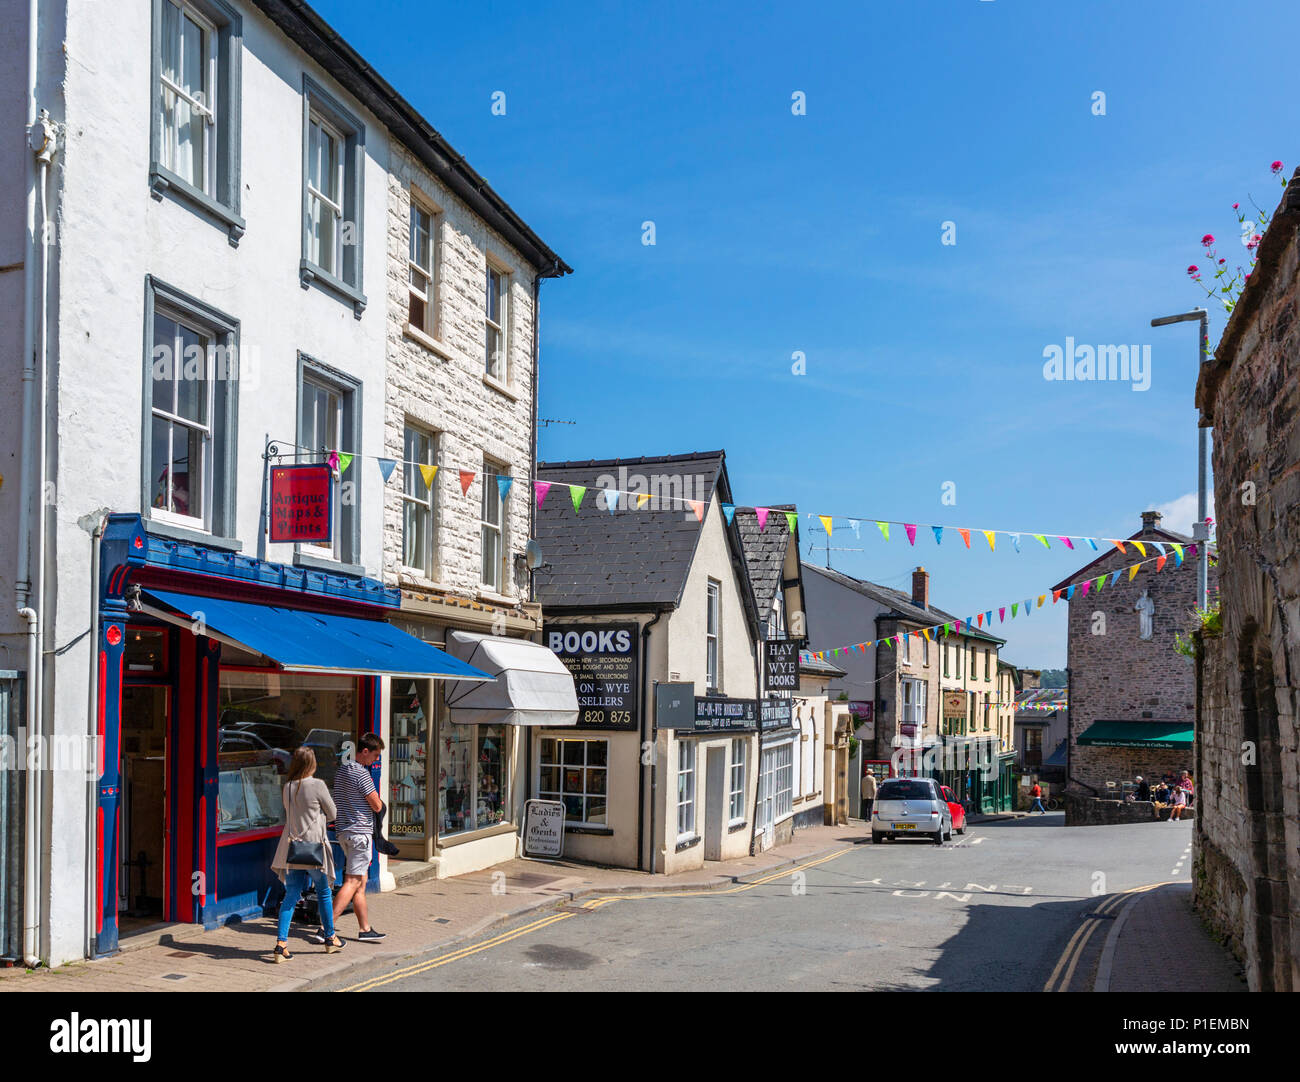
x=428, y=473
x=826, y=523
x=988, y=536
x=1140, y=547
x=1041, y=599
x=1132, y=571
x=642, y=499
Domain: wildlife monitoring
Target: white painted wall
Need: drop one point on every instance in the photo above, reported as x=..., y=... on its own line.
x=112, y=233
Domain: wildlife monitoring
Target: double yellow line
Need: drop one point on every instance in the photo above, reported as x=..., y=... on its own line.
x=1063, y=974
x=555, y=918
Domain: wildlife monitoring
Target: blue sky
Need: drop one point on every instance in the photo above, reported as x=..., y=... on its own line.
x=821, y=233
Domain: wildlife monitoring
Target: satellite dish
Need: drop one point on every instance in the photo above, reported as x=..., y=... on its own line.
x=533, y=555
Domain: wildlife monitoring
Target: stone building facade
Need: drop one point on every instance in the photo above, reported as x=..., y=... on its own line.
x=1247, y=848
x=1119, y=677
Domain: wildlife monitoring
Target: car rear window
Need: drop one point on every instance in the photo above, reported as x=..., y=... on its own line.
x=906, y=790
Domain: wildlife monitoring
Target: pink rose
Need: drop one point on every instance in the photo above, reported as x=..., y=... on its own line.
x=1276, y=167
x=1208, y=239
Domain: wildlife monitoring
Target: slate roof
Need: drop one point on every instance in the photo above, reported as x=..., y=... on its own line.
x=765, y=552
x=631, y=559
x=810, y=664
x=899, y=605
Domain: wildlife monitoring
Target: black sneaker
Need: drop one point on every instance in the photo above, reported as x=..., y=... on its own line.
x=318, y=936
x=370, y=936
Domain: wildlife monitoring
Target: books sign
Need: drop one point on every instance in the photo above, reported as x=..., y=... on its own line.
x=781, y=666
x=302, y=503
x=602, y=659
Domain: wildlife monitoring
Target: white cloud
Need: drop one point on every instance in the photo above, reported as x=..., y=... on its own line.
x=1179, y=514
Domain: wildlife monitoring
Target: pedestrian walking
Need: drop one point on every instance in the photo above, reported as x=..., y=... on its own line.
x=868, y=794
x=357, y=801
x=303, y=855
x=1037, y=793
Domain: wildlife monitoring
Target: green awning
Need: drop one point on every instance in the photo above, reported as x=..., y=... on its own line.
x=1138, y=734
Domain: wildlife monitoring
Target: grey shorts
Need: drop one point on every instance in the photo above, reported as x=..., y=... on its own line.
x=356, y=853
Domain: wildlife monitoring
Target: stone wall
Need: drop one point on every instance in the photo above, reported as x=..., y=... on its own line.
x=1115, y=675
x=438, y=383
x=1086, y=811
x=1248, y=842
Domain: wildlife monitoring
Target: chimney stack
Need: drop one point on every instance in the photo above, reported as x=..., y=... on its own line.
x=1150, y=521
x=1030, y=679
x=921, y=588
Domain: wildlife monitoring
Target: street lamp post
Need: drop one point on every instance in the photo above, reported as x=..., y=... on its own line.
x=1201, y=530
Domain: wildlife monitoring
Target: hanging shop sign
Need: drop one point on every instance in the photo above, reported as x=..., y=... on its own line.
x=602, y=659
x=719, y=714
x=543, y=828
x=781, y=666
x=775, y=714
x=302, y=503
x=863, y=713
x=954, y=704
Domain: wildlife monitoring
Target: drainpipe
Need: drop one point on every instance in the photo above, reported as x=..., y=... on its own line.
x=646, y=729
x=42, y=138
x=96, y=523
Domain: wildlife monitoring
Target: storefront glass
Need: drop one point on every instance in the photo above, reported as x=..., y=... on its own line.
x=408, y=759
x=473, y=776
x=265, y=716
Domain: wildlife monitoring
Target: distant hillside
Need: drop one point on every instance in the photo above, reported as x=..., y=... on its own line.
x=1053, y=678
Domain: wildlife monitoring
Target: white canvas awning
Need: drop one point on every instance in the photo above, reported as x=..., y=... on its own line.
x=532, y=686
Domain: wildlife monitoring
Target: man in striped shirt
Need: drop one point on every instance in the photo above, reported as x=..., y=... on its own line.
x=357, y=801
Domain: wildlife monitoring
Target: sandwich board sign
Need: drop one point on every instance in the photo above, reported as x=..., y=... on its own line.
x=543, y=828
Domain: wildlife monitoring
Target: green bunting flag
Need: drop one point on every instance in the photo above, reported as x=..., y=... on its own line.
x=576, y=492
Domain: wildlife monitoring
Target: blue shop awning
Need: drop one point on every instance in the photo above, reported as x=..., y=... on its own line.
x=300, y=641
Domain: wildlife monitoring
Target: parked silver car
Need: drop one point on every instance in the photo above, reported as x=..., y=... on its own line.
x=906, y=807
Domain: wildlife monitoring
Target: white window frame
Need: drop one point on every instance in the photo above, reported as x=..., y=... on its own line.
x=687, y=764
x=206, y=110
x=738, y=780
x=713, y=635
x=911, y=703
x=776, y=618
x=783, y=774
x=906, y=655
x=501, y=373
x=412, y=478
x=314, y=250
x=492, y=493
x=586, y=768
x=203, y=520
x=333, y=547
x=925, y=651
x=432, y=291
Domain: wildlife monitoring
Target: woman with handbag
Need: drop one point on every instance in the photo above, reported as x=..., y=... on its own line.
x=304, y=854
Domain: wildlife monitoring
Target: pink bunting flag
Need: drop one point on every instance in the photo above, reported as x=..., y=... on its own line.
x=1085, y=587
x=1068, y=543
x=698, y=507
x=541, y=488
x=762, y=513
x=1002, y=616
x=911, y=532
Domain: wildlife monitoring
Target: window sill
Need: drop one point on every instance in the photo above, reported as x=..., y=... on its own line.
x=500, y=387
x=162, y=181
x=739, y=825
x=427, y=341
x=173, y=532
x=417, y=580
x=446, y=842
x=324, y=563
x=687, y=843
x=308, y=273
x=496, y=599
x=605, y=832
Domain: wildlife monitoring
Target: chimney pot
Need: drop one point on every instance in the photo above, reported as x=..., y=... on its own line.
x=921, y=588
x=1150, y=521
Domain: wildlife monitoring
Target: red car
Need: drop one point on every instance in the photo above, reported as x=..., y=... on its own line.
x=955, y=806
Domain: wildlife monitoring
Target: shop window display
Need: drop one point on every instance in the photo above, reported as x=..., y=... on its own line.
x=408, y=759
x=264, y=718
x=473, y=777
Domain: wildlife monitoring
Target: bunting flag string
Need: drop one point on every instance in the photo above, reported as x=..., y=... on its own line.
x=984, y=620
x=341, y=461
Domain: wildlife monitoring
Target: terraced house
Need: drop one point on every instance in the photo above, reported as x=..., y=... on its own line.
x=258, y=296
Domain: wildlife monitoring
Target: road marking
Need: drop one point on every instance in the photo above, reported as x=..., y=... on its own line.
x=976, y=841
x=464, y=952
x=1075, y=947
x=545, y=922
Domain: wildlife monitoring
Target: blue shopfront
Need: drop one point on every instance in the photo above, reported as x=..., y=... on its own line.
x=213, y=668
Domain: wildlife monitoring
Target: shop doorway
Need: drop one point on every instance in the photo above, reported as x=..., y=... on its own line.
x=142, y=875
x=715, y=795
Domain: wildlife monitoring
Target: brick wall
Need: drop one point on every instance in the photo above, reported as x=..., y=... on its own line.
x=1115, y=675
x=1248, y=839
x=440, y=385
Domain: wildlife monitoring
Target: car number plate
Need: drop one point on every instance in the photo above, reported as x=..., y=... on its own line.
x=904, y=826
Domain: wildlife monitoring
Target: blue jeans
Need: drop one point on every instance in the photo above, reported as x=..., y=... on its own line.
x=295, y=882
x=1038, y=805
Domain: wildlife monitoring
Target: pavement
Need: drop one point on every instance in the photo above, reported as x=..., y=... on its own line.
x=418, y=917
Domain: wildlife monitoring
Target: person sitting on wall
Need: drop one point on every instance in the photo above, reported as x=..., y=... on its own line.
x=1185, y=784
x=1143, y=789
x=1178, y=802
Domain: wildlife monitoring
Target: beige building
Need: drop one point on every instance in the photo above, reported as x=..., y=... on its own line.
x=665, y=768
